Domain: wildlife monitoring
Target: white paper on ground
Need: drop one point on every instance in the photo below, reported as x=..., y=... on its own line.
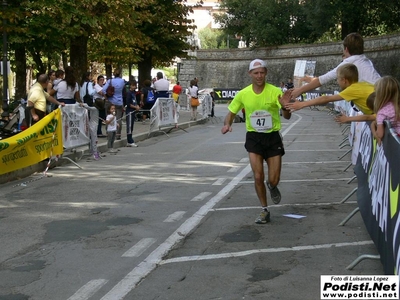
x=293, y=216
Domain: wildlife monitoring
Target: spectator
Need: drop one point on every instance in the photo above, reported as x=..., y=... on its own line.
x=37, y=96
x=99, y=103
x=352, y=90
x=262, y=102
x=353, y=52
x=132, y=107
x=212, y=114
x=194, y=98
x=360, y=118
x=176, y=91
x=289, y=85
x=52, y=76
x=87, y=89
x=67, y=89
x=112, y=126
x=117, y=99
x=147, y=99
x=386, y=106
x=161, y=86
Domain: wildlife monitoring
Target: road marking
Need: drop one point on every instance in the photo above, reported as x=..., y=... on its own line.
x=234, y=169
x=283, y=205
x=244, y=160
x=176, y=216
x=130, y=281
x=139, y=247
x=319, y=134
x=302, y=180
x=315, y=162
x=258, y=251
x=220, y=181
x=317, y=150
x=88, y=290
x=201, y=196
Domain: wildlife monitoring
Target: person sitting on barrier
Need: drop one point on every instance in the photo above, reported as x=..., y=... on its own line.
x=131, y=108
x=353, y=52
x=352, y=90
x=112, y=126
x=37, y=96
x=147, y=99
x=360, y=118
x=161, y=86
x=386, y=106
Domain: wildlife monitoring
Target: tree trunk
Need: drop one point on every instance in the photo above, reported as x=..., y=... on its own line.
x=78, y=56
x=108, y=66
x=144, y=69
x=20, y=72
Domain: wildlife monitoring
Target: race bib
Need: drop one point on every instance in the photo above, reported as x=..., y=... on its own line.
x=261, y=120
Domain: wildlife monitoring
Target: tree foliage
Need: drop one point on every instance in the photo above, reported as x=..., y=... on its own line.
x=277, y=22
x=115, y=32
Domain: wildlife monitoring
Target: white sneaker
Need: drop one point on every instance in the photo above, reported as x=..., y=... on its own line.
x=131, y=145
x=112, y=151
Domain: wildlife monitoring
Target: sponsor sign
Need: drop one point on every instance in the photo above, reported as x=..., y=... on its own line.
x=38, y=142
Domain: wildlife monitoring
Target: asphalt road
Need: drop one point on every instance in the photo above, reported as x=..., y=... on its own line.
x=174, y=219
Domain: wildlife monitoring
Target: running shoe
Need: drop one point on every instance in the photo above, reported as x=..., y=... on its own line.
x=275, y=193
x=264, y=217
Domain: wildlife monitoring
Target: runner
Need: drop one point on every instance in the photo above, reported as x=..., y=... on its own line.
x=262, y=102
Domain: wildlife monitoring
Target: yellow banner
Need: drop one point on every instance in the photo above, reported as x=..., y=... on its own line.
x=32, y=145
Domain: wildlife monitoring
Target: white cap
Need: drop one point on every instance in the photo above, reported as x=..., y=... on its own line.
x=257, y=63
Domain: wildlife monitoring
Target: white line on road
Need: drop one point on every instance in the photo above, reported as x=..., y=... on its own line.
x=201, y=196
x=302, y=180
x=220, y=181
x=176, y=216
x=244, y=160
x=88, y=290
x=317, y=150
x=284, y=205
x=258, y=251
x=315, y=162
x=139, y=247
x=234, y=169
x=122, y=288
x=129, y=282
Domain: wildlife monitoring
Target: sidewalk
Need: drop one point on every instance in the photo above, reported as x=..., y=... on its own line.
x=140, y=132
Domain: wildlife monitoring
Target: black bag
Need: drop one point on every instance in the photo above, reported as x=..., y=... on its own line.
x=87, y=98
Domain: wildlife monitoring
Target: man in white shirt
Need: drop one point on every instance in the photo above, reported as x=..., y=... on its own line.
x=353, y=53
x=161, y=85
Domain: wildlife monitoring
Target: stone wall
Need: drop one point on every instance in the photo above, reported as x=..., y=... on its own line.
x=228, y=68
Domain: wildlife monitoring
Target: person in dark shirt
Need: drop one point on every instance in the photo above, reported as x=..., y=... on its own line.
x=132, y=107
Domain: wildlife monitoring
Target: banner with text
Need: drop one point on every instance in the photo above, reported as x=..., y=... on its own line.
x=378, y=176
x=225, y=94
x=163, y=113
x=76, y=129
x=38, y=142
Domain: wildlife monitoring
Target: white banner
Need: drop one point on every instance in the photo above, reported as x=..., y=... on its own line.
x=205, y=105
x=75, y=121
x=163, y=113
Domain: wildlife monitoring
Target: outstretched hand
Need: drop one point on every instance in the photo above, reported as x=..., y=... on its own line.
x=342, y=119
x=285, y=98
x=294, y=105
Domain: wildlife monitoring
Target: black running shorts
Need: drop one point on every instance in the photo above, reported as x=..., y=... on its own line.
x=265, y=144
